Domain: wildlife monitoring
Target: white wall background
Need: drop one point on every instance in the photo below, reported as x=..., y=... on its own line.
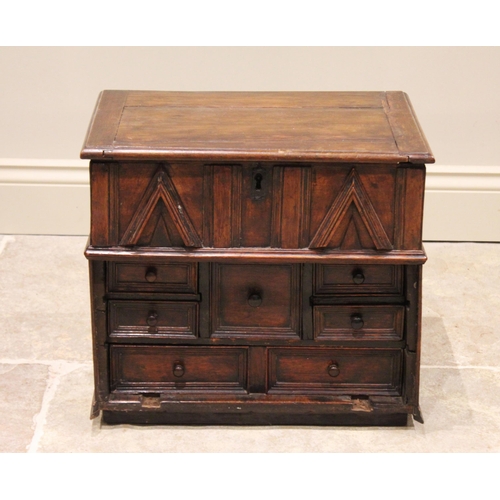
x=47, y=95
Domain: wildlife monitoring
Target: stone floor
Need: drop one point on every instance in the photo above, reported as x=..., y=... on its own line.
x=46, y=371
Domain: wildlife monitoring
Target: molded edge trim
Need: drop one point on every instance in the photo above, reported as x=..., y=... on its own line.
x=255, y=255
x=44, y=171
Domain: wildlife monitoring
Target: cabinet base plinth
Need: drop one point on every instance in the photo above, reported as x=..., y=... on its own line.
x=337, y=419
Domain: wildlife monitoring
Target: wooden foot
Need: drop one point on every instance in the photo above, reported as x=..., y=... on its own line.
x=417, y=415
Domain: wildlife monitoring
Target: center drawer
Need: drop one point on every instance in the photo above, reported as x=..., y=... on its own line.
x=255, y=300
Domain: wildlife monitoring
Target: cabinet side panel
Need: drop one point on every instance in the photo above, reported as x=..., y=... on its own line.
x=99, y=199
x=415, y=184
x=413, y=326
x=99, y=322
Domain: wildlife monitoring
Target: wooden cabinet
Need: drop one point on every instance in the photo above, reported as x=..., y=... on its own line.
x=255, y=258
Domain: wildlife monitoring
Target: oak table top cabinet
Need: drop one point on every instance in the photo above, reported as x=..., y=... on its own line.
x=255, y=258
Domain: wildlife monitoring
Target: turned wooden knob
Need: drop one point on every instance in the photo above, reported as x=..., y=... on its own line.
x=178, y=370
x=152, y=318
x=357, y=321
x=151, y=274
x=358, y=277
x=333, y=370
x=255, y=299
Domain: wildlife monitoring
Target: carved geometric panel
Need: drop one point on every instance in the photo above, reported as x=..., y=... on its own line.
x=161, y=219
x=351, y=221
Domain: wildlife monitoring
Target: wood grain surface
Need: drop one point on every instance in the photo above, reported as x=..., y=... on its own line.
x=335, y=126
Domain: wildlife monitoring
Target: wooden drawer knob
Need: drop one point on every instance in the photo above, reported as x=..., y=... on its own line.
x=357, y=321
x=151, y=274
x=178, y=370
x=334, y=370
x=152, y=318
x=358, y=277
x=255, y=299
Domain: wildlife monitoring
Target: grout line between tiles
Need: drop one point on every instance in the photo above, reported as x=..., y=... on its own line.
x=49, y=362
x=57, y=370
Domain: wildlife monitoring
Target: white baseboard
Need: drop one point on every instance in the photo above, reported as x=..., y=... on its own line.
x=462, y=203
x=52, y=197
x=44, y=197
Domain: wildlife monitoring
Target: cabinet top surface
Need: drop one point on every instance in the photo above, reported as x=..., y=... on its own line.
x=365, y=127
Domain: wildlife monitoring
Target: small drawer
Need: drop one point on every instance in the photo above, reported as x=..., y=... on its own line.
x=153, y=319
x=335, y=371
x=358, y=322
x=255, y=300
x=358, y=279
x=166, y=368
x=165, y=278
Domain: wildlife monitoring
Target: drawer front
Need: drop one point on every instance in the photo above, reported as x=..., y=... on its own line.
x=165, y=368
x=153, y=319
x=166, y=278
x=358, y=279
x=254, y=300
x=335, y=371
x=358, y=322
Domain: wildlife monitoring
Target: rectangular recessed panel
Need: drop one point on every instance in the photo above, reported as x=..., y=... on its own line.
x=153, y=277
x=335, y=371
x=166, y=368
x=255, y=300
x=359, y=323
x=341, y=129
x=364, y=279
x=153, y=319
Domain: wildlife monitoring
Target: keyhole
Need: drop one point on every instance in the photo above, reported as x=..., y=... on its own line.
x=258, y=182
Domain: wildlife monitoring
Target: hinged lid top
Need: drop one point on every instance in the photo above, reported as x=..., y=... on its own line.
x=368, y=127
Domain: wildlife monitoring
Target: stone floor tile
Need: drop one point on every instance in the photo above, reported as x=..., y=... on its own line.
x=461, y=410
x=22, y=387
x=461, y=298
x=45, y=299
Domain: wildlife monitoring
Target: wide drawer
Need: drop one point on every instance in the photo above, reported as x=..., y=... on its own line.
x=255, y=300
x=166, y=368
x=153, y=319
x=355, y=279
x=358, y=322
x=335, y=371
x=152, y=277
